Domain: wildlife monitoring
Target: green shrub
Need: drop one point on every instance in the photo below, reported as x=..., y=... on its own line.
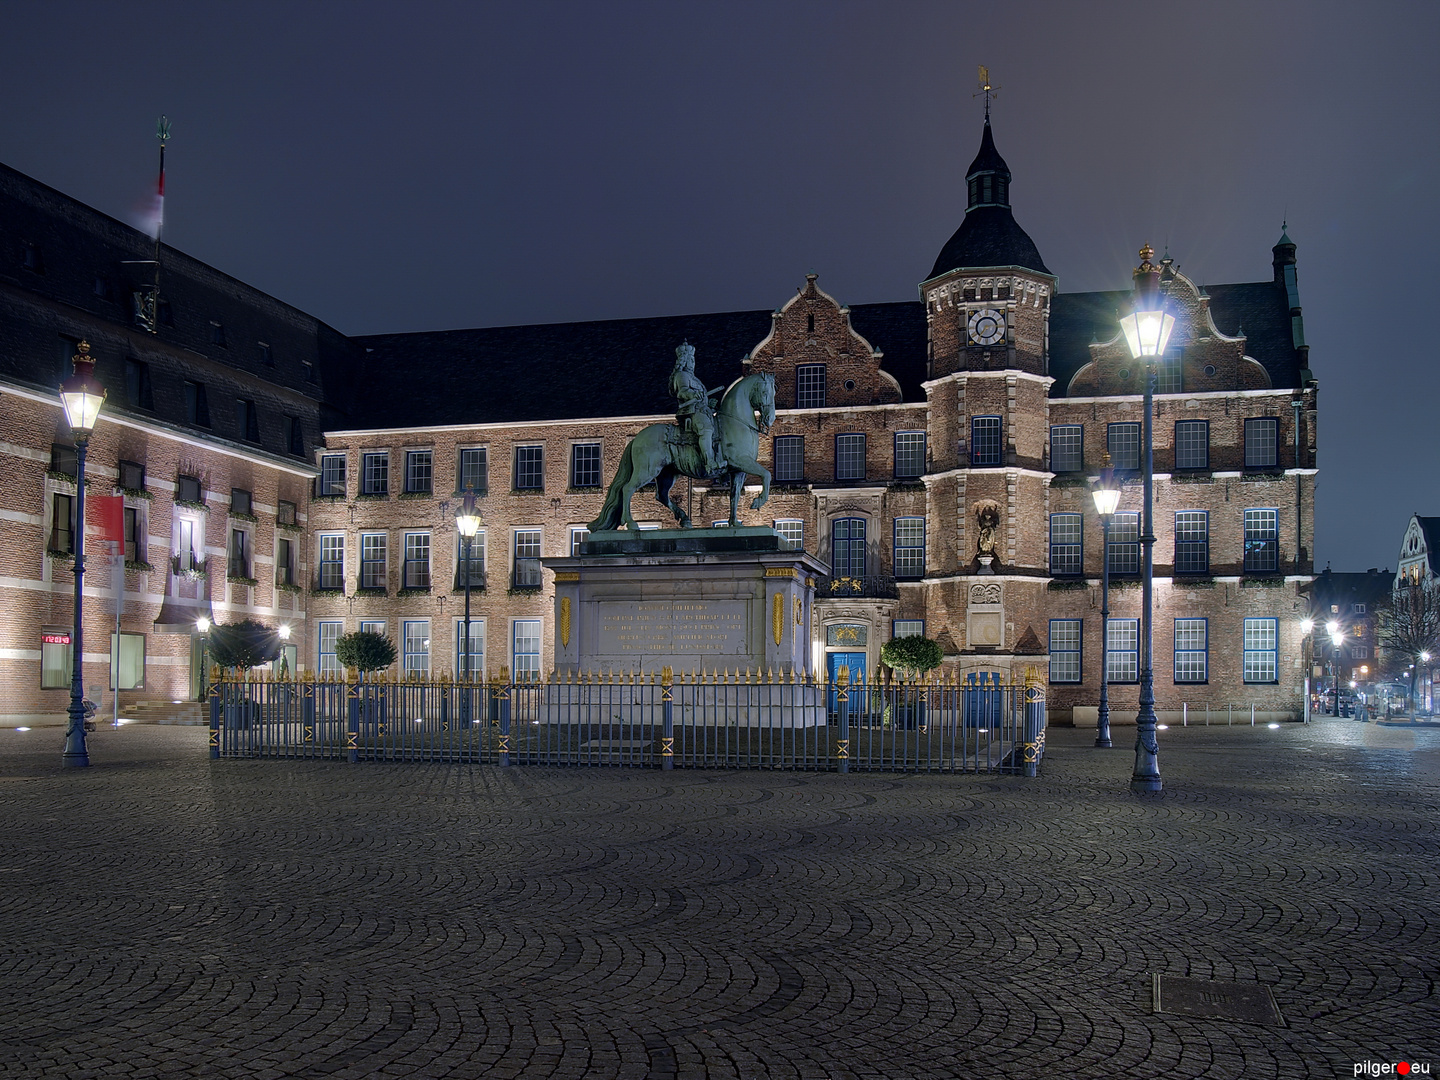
x=365, y=650
x=244, y=644
x=915, y=654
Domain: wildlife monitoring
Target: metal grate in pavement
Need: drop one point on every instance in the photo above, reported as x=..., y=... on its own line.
x=1250, y=1003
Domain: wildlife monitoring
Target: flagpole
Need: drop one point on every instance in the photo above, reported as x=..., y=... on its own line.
x=162, y=132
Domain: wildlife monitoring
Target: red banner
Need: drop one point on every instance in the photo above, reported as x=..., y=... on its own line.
x=107, y=515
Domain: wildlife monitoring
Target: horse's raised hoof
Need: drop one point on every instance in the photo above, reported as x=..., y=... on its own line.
x=757, y=502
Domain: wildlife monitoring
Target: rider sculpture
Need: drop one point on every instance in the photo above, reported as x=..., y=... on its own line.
x=696, y=412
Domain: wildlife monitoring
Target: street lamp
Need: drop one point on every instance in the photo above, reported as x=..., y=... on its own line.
x=1106, y=494
x=1147, y=332
x=467, y=521
x=81, y=397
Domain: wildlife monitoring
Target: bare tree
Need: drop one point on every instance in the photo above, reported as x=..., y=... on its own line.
x=1409, y=630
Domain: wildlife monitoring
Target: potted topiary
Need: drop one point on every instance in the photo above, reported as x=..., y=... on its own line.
x=913, y=656
x=367, y=651
x=244, y=645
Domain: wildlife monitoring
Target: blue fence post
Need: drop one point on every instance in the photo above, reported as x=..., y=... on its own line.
x=667, y=737
x=352, y=722
x=842, y=697
x=214, y=697
x=502, y=693
x=1034, y=722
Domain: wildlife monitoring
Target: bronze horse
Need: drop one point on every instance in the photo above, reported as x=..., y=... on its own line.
x=661, y=452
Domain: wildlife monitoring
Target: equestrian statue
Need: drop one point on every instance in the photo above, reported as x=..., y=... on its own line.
x=716, y=436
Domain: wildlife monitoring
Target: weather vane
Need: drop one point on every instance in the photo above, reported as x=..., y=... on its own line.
x=990, y=92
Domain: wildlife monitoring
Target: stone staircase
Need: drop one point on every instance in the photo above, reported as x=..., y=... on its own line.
x=162, y=712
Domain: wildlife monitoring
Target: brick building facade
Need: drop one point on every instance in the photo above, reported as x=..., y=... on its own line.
x=935, y=454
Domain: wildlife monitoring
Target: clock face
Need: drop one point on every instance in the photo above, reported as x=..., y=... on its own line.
x=987, y=326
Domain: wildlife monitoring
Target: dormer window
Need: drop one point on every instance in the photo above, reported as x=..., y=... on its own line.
x=217, y=333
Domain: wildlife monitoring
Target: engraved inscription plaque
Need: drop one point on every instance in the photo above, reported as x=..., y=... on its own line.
x=713, y=628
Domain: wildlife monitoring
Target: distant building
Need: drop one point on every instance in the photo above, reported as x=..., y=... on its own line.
x=903, y=428
x=1353, y=602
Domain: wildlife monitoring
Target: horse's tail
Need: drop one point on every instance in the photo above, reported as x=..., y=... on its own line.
x=611, y=511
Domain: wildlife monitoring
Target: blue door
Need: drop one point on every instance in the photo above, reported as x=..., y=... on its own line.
x=855, y=661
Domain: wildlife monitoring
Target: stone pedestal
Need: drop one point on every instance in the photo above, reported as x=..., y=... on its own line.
x=692, y=599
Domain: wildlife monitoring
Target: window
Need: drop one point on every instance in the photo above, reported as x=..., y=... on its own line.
x=132, y=476
x=1260, y=657
x=185, y=551
x=1358, y=609
x=1125, y=543
x=285, y=513
x=418, y=469
x=55, y=659
x=470, y=647
x=197, y=408
x=328, y=634
x=847, y=537
x=527, y=559
x=294, y=436
x=849, y=457
x=1067, y=449
x=1192, y=653
x=1065, y=650
x=267, y=354
x=789, y=458
x=372, y=627
x=909, y=547
x=792, y=534
x=585, y=465
x=332, y=562
x=187, y=489
x=138, y=391
x=127, y=661
x=1360, y=652
x=64, y=460
x=241, y=501
x=578, y=535
x=1261, y=442
x=475, y=569
x=373, y=560
x=284, y=561
x=525, y=650
x=1192, y=542
x=810, y=386
x=238, y=555
x=1262, y=541
x=1122, y=659
x=31, y=258
x=529, y=468
x=1168, y=373
x=1066, y=547
x=134, y=534
x=1192, y=444
x=909, y=454
x=985, y=443
x=417, y=561
x=309, y=369
x=247, y=420
x=375, y=474
x=907, y=628
x=332, y=474
x=217, y=334
x=1123, y=443
x=415, y=634
x=474, y=471
x=62, y=524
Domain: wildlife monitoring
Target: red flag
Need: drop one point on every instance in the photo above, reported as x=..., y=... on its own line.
x=107, y=514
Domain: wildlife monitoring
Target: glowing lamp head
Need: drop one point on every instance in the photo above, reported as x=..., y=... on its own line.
x=1425, y=656
x=1306, y=625
x=467, y=515
x=80, y=394
x=284, y=631
x=1106, y=492
x=1147, y=328
x=202, y=624
x=1332, y=627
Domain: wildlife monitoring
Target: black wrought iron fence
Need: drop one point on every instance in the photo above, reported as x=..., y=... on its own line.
x=661, y=720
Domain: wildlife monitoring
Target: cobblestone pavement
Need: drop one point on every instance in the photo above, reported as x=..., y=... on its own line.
x=168, y=916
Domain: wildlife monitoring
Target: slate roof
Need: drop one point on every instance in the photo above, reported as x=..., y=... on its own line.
x=621, y=367
x=988, y=159
x=989, y=236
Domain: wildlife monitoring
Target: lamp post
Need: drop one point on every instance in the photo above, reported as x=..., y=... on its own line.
x=1147, y=332
x=81, y=397
x=1337, y=638
x=467, y=521
x=1307, y=627
x=1107, y=497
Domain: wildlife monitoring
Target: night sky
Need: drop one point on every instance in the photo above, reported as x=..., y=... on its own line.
x=418, y=166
